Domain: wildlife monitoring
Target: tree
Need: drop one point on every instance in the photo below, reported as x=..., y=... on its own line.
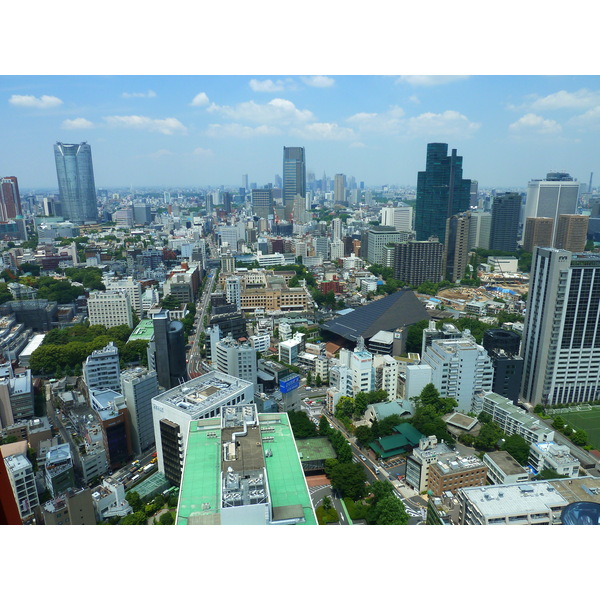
x=166, y=519
x=517, y=447
x=548, y=474
x=348, y=479
x=137, y=518
x=134, y=500
x=318, y=381
x=484, y=417
x=309, y=378
x=489, y=436
x=414, y=336
x=301, y=424
x=363, y=435
x=324, y=426
x=389, y=511
x=430, y=397
x=558, y=423
x=579, y=437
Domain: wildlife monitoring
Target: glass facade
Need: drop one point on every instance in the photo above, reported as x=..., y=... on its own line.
x=294, y=176
x=76, y=182
x=441, y=192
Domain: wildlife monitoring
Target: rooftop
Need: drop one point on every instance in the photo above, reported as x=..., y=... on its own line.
x=242, y=462
x=505, y=462
x=143, y=331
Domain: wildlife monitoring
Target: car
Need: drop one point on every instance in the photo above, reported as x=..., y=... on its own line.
x=363, y=457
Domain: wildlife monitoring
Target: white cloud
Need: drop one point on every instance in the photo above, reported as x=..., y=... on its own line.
x=448, y=123
x=200, y=99
x=160, y=153
x=321, y=81
x=204, y=152
x=414, y=99
x=167, y=126
x=590, y=118
x=148, y=94
x=242, y=131
x=78, y=123
x=33, y=102
x=534, y=124
x=267, y=85
x=580, y=99
x=325, y=131
x=277, y=110
x=389, y=122
x=430, y=80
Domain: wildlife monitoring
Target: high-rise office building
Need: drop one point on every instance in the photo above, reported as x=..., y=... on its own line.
x=339, y=189
x=556, y=195
x=139, y=386
x=506, y=209
x=166, y=351
x=76, y=185
x=262, y=202
x=399, y=217
x=10, y=201
x=416, y=262
x=571, y=232
x=441, y=192
x=336, y=229
x=479, y=230
x=457, y=248
x=561, y=336
x=235, y=359
x=227, y=200
x=377, y=238
x=294, y=177
x=538, y=232
x=233, y=291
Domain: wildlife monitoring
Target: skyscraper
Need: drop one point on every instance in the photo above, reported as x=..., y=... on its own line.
x=339, y=189
x=10, y=201
x=262, y=202
x=553, y=196
x=294, y=177
x=76, y=185
x=506, y=209
x=571, y=232
x=166, y=351
x=457, y=246
x=561, y=336
x=441, y=192
x=416, y=262
x=538, y=232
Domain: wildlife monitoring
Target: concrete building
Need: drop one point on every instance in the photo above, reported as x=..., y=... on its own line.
x=416, y=262
x=243, y=468
x=571, y=232
x=233, y=291
x=166, y=350
x=561, y=336
x=451, y=473
x=550, y=455
x=538, y=232
x=504, y=469
x=289, y=350
x=59, y=472
x=129, y=286
x=456, y=257
x=237, y=359
x=139, y=386
x=101, y=370
x=514, y=420
x=73, y=507
x=506, y=210
x=22, y=482
x=460, y=369
x=377, y=237
x=422, y=458
x=479, y=230
x=556, y=195
x=110, y=309
x=199, y=398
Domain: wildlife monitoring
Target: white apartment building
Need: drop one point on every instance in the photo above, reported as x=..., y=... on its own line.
x=503, y=468
x=233, y=291
x=260, y=342
x=387, y=371
x=290, y=349
x=101, y=370
x=110, y=309
x=550, y=455
x=130, y=286
x=513, y=419
x=236, y=359
x=22, y=481
x=460, y=369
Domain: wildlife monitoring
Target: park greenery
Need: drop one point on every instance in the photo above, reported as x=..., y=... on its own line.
x=64, y=350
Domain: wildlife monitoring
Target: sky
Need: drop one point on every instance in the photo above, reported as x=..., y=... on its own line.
x=195, y=131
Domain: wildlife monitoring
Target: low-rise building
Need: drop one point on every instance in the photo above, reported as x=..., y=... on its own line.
x=73, y=507
x=504, y=469
x=550, y=455
x=451, y=473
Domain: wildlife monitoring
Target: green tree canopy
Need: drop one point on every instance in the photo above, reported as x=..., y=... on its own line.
x=301, y=424
x=349, y=479
x=517, y=447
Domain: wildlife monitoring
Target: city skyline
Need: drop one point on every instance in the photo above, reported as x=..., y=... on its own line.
x=204, y=131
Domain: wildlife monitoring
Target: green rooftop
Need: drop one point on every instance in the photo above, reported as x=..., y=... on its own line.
x=315, y=449
x=143, y=331
x=270, y=446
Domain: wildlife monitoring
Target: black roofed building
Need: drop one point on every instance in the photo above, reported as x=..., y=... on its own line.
x=392, y=313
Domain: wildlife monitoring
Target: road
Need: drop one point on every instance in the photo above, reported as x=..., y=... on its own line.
x=195, y=365
x=415, y=505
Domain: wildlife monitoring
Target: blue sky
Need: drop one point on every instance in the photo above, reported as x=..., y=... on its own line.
x=209, y=130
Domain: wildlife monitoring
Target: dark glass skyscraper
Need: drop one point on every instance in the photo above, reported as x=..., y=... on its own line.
x=294, y=177
x=441, y=192
x=76, y=185
x=506, y=209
